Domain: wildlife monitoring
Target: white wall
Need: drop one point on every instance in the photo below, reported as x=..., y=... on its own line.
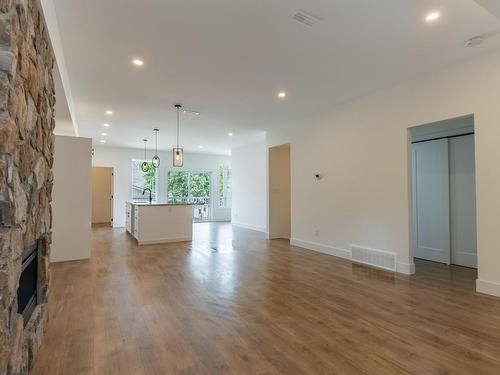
x=362, y=147
x=249, y=208
x=279, y=192
x=121, y=160
x=71, y=199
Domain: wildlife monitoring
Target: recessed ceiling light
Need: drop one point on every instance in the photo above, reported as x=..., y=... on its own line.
x=282, y=95
x=230, y=134
x=200, y=147
x=105, y=125
x=103, y=141
x=138, y=62
x=432, y=16
x=104, y=134
x=109, y=112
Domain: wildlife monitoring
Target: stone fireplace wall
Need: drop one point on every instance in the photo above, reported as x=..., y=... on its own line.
x=27, y=101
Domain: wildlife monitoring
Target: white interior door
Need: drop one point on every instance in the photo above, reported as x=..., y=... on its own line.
x=431, y=203
x=463, y=201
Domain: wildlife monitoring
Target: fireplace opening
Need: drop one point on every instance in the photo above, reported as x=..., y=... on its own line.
x=27, y=291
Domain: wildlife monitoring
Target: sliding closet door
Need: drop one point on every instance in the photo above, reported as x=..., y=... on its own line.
x=431, y=203
x=463, y=201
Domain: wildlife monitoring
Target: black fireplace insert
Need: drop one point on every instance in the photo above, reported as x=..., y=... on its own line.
x=27, y=291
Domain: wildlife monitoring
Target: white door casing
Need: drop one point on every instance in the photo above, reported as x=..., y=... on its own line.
x=462, y=201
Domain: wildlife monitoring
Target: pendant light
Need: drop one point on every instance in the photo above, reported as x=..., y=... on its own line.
x=156, y=158
x=178, y=152
x=145, y=164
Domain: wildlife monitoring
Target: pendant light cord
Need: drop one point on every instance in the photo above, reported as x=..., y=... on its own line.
x=178, y=108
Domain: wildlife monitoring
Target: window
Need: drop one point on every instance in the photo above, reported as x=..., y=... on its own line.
x=224, y=187
x=191, y=187
x=178, y=187
x=143, y=180
x=199, y=186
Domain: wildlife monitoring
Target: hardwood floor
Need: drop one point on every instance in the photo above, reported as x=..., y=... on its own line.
x=234, y=303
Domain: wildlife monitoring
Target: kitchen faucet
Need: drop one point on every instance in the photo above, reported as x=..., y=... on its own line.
x=150, y=196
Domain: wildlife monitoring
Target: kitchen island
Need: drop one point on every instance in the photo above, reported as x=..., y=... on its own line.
x=154, y=223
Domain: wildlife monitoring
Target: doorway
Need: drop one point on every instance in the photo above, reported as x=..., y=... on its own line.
x=279, y=215
x=102, y=195
x=443, y=192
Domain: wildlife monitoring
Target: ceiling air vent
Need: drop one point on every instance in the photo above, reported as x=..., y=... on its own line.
x=305, y=18
x=474, y=42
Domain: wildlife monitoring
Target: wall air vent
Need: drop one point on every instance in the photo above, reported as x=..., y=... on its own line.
x=305, y=18
x=372, y=257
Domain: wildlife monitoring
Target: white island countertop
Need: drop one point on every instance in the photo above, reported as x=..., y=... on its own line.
x=160, y=222
x=158, y=204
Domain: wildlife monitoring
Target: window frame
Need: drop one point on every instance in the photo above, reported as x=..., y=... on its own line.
x=225, y=200
x=135, y=164
x=189, y=173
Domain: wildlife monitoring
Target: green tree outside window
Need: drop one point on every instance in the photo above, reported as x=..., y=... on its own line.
x=200, y=185
x=150, y=178
x=178, y=184
x=188, y=185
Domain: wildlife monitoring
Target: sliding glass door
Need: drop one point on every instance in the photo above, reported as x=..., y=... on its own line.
x=191, y=187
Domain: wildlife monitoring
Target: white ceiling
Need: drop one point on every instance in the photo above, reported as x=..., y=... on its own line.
x=228, y=59
x=492, y=5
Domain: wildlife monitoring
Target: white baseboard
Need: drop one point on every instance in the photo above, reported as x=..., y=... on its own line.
x=488, y=287
x=164, y=240
x=325, y=249
x=274, y=236
x=248, y=226
x=405, y=268
x=70, y=259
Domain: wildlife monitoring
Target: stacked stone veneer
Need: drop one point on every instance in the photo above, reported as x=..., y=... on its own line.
x=26, y=154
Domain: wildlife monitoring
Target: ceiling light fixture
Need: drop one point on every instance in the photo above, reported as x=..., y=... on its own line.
x=104, y=134
x=282, y=95
x=200, y=147
x=433, y=16
x=230, y=134
x=145, y=164
x=190, y=112
x=103, y=141
x=105, y=125
x=138, y=62
x=109, y=112
x=156, y=159
x=178, y=151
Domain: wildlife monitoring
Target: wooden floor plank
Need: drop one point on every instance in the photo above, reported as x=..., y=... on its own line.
x=232, y=302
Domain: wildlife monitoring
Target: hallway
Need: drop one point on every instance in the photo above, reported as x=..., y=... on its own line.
x=234, y=302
